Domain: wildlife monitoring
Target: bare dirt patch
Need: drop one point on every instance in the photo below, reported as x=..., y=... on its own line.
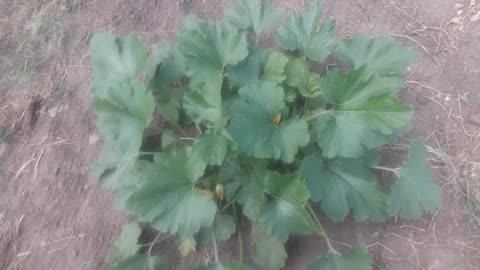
x=53, y=216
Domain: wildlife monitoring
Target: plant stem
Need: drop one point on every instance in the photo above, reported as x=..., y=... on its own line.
x=153, y=243
x=393, y=170
x=198, y=129
x=147, y=153
x=215, y=249
x=323, y=232
x=186, y=139
x=227, y=205
x=239, y=229
x=317, y=115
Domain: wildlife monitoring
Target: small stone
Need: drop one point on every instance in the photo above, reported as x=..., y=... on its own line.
x=475, y=119
x=422, y=99
x=93, y=138
x=437, y=117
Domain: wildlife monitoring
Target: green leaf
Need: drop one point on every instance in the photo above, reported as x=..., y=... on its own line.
x=365, y=114
x=116, y=61
x=142, y=262
x=300, y=77
x=273, y=66
x=167, y=196
x=356, y=258
x=212, y=147
x=223, y=227
x=382, y=56
x=203, y=103
x=121, y=117
x=261, y=65
x=269, y=252
x=166, y=69
x=207, y=48
x=247, y=71
x=230, y=176
x=244, y=178
x=252, y=198
x=300, y=33
x=124, y=107
x=414, y=192
x=126, y=245
x=345, y=183
x=254, y=14
x=285, y=213
x=253, y=128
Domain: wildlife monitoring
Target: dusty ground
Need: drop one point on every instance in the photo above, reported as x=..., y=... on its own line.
x=53, y=216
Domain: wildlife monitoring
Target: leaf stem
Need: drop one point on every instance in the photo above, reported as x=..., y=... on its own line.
x=227, y=205
x=323, y=233
x=393, y=170
x=239, y=229
x=215, y=249
x=141, y=153
x=155, y=241
x=198, y=129
x=317, y=115
x=186, y=139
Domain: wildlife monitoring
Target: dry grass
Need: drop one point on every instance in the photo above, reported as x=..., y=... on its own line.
x=33, y=47
x=8, y=246
x=454, y=154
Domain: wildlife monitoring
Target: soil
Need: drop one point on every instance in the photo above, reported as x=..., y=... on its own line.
x=54, y=216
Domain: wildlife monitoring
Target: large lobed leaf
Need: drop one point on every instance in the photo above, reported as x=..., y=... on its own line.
x=123, y=255
x=212, y=147
x=203, y=103
x=269, y=252
x=115, y=61
x=298, y=75
x=365, y=113
x=253, y=127
x=260, y=65
x=244, y=182
x=414, y=192
x=208, y=48
x=165, y=70
x=223, y=227
x=381, y=56
x=285, y=213
x=168, y=198
x=124, y=107
x=252, y=14
x=125, y=245
x=275, y=201
x=346, y=183
x=300, y=33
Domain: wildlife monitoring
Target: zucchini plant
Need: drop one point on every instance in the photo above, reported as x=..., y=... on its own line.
x=253, y=135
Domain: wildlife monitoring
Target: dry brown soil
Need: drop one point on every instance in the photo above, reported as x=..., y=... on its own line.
x=53, y=215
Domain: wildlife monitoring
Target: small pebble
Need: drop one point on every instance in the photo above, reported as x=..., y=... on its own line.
x=93, y=138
